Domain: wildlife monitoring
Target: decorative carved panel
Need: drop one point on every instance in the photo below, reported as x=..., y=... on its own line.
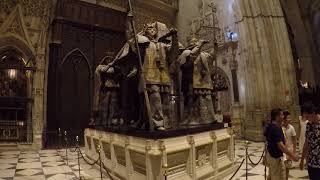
x=223, y=147
x=203, y=154
x=120, y=155
x=177, y=162
x=106, y=149
x=138, y=162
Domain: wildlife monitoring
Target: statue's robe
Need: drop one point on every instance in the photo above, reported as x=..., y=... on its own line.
x=197, y=86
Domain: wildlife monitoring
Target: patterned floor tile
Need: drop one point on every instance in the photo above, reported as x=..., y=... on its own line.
x=38, y=177
x=51, y=159
x=56, y=170
x=29, y=172
x=29, y=165
x=7, y=173
x=62, y=176
x=10, y=153
x=7, y=166
x=9, y=161
x=28, y=160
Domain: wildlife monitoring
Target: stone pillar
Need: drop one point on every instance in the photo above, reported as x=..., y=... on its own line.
x=192, y=172
x=214, y=152
x=237, y=108
x=37, y=93
x=266, y=64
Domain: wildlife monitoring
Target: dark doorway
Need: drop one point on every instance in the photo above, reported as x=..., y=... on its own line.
x=82, y=35
x=75, y=92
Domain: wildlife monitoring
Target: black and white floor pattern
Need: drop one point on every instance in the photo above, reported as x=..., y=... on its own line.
x=51, y=165
x=44, y=165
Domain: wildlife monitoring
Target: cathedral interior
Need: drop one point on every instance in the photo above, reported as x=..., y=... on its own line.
x=246, y=57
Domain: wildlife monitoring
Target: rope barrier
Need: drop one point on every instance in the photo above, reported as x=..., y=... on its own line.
x=237, y=169
x=106, y=169
x=87, y=161
x=258, y=161
x=77, y=149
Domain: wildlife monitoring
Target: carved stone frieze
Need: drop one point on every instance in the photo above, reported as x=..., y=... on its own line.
x=8, y=5
x=203, y=155
x=31, y=8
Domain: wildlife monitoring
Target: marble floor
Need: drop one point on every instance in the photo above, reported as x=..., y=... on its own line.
x=257, y=172
x=44, y=165
x=52, y=165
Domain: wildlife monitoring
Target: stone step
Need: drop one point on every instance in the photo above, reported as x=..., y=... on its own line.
x=8, y=146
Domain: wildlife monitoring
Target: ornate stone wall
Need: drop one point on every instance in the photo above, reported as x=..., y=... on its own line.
x=26, y=22
x=145, y=11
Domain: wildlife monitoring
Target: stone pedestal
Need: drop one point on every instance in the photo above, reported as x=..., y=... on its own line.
x=237, y=117
x=252, y=128
x=205, y=155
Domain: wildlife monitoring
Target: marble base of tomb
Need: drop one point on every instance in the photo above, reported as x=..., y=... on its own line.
x=202, y=155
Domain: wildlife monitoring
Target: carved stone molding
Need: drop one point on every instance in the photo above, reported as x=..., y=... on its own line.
x=15, y=26
x=8, y=5
x=31, y=8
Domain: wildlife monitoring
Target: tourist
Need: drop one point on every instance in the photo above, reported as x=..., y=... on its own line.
x=302, y=129
x=276, y=147
x=311, y=148
x=290, y=137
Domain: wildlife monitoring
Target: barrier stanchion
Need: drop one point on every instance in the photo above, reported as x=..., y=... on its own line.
x=265, y=163
x=66, y=143
x=100, y=161
x=59, y=138
x=78, y=149
x=247, y=160
x=165, y=174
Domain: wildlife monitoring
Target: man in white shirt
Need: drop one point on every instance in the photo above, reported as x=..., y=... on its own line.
x=290, y=136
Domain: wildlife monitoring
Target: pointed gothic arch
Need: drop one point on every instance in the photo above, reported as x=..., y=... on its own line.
x=75, y=79
x=77, y=53
x=14, y=42
x=17, y=64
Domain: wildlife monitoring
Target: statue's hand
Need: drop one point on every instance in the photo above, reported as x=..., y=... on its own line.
x=110, y=70
x=102, y=68
x=173, y=31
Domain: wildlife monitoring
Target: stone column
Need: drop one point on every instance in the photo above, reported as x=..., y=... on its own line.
x=192, y=156
x=37, y=93
x=267, y=67
x=214, y=159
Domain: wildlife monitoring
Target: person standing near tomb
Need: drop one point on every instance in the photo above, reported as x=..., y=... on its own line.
x=302, y=128
x=311, y=148
x=291, y=140
x=276, y=146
